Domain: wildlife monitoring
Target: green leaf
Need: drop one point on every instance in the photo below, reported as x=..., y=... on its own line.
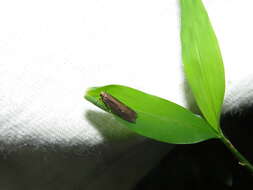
x=202, y=60
x=157, y=118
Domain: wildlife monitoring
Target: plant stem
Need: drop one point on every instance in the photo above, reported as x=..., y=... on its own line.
x=242, y=160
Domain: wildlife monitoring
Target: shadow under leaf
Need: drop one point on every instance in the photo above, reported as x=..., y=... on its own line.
x=108, y=126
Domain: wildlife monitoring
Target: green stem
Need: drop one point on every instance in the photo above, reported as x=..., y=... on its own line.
x=242, y=160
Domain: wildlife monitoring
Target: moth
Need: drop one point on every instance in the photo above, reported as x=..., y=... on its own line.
x=118, y=108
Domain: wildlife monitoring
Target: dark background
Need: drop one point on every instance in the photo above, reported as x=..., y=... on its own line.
x=209, y=164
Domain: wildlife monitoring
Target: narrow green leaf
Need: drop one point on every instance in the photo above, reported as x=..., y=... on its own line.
x=202, y=60
x=156, y=118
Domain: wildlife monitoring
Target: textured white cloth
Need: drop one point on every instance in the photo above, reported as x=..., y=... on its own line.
x=52, y=51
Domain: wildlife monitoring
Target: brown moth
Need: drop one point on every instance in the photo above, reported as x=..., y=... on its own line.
x=118, y=107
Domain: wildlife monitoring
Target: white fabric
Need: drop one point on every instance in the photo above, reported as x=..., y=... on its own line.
x=52, y=51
